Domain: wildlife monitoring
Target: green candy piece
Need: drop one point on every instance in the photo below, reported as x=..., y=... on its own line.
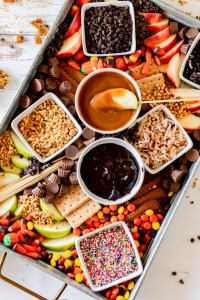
x=7, y=240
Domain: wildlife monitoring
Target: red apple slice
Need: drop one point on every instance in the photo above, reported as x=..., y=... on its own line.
x=168, y=43
x=159, y=36
x=70, y=46
x=173, y=70
x=166, y=58
x=151, y=17
x=190, y=122
x=193, y=107
x=185, y=93
x=163, y=68
x=158, y=26
x=75, y=24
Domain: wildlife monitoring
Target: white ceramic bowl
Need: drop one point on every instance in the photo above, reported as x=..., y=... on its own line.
x=185, y=61
x=188, y=139
x=112, y=70
x=137, y=257
x=29, y=110
x=135, y=154
x=100, y=4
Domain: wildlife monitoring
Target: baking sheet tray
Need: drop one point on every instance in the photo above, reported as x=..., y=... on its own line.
x=179, y=16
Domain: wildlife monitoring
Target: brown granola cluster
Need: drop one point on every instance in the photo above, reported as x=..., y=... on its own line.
x=7, y=149
x=47, y=129
x=42, y=30
x=178, y=109
x=4, y=79
x=32, y=207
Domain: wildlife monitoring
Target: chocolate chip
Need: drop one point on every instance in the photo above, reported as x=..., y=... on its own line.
x=198, y=237
x=174, y=273
x=181, y=281
x=2, y=40
x=192, y=240
x=12, y=46
x=191, y=202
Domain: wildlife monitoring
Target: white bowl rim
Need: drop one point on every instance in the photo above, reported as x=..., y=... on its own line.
x=110, y=70
x=137, y=257
x=136, y=155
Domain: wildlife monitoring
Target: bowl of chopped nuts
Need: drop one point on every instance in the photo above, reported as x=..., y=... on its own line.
x=159, y=139
x=46, y=127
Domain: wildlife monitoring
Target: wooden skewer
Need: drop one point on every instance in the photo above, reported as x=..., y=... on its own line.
x=28, y=180
x=171, y=100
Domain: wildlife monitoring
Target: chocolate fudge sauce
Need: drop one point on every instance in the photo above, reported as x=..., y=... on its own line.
x=109, y=171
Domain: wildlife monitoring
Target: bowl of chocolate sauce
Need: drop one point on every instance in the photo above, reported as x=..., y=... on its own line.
x=110, y=171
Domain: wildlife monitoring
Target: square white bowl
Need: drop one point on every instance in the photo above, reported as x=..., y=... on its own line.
x=185, y=61
x=29, y=110
x=186, y=136
x=85, y=7
x=137, y=257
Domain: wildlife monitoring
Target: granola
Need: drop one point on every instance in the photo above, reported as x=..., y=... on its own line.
x=4, y=79
x=7, y=149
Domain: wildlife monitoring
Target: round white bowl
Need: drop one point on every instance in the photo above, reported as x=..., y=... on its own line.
x=139, y=180
x=112, y=70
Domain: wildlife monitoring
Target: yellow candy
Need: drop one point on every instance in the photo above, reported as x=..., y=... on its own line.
x=134, y=229
x=121, y=210
x=100, y=214
x=137, y=243
x=141, y=254
x=126, y=295
x=149, y=212
x=30, y=225
x=78, y=262
x=120, y=298
x=68, y=263
x=79, y=277
x=81, y=268
x=67, y=253
x=155, y=225
x=53, y=262
x=56, y=256
x=170, y=194
x=131, y=285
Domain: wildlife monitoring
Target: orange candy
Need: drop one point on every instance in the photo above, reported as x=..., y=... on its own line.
x=131, y=207
x=106, y=210
x=95, y=218
x=77, y=271
x=88, y=221
x=70, y=275
x=113, y=207
x=77, y=232
x=125, y=211
x=96, y=224
x=113, y=219
x=107, y=223
x=121, y=217
x=85, y=231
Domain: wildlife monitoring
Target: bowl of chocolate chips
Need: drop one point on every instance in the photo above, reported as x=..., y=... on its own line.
x=108, y=29
x=190, y=70
x=110, y=171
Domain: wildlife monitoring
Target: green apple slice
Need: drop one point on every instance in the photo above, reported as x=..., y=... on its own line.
x=8, y=205
x=18, y=213
x=20, y=162
x=21, y=148
x=61, y=244
x=56, y=231
x=12, y=169
x=8, y=178
x=52, y=209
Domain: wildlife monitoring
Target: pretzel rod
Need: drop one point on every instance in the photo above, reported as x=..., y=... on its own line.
x=171, y=100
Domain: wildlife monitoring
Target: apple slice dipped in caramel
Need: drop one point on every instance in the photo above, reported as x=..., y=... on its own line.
x=115, y=99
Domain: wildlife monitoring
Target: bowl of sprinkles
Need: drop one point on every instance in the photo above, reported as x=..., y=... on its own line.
x=109, y=256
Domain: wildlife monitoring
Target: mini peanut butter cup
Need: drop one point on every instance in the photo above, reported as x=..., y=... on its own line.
x=64, y=87
x=184, y=48
x=63, y=172
x=66, y=100
x=72, y=109
x=38, y=85
x=71, y=151
x=54, y=178
x=63, y=190
x=48, y=199
x=44, y=92
x=43, y=69
x=38, y=192
x=88, y=133
x=75, y=165
x=67, y=164
x=53, y=61
x=175, y=187
x=173, y=27
x=54, y=71
x=182, y=33
x=177, y=175
x=88, y=142
x=25, y=101
x=168, y=170
x=197, y=134
x=192, y=155
x=52, y=187
x=182, y=160
x=27, y=191
x=192, y=33
x=73, y=178
x=51, y=84
x=184, y=169
x=79, y=143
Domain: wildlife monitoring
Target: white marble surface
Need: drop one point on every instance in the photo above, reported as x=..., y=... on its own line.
x=176, y=252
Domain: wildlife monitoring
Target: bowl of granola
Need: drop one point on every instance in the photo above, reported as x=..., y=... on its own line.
x=159, y=139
